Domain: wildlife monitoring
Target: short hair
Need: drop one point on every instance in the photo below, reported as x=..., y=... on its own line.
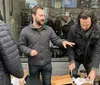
x=35, y=8
x=85, y=13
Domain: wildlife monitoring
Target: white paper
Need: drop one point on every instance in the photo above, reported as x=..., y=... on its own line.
x=15, y=81
x=80, y=81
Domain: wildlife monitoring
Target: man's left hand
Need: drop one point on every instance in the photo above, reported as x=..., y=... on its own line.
x=65, y=43
x=91, y=76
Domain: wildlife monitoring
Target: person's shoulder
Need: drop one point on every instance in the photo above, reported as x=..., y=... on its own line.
x=26, y=28
x=47, y=27
x=97, y=26
x=74, y=26
x=2, y=23
x=3, y=26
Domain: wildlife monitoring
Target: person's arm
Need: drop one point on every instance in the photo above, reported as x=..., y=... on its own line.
x=95, y=60
x=23, y=43
x=10, y=54
x=70, y=50
x=96, y=55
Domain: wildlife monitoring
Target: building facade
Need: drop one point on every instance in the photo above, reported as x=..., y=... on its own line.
x=17, y=13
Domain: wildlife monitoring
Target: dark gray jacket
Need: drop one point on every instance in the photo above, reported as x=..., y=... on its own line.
x=87, y=46
x=31, y=38
x=9, y=59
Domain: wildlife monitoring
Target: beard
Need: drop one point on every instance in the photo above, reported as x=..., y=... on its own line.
x=40, y=23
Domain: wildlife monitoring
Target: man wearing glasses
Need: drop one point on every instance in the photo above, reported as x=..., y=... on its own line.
x=86, y=35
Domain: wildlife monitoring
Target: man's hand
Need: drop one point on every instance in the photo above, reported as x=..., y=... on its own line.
x=91, y=76
x=21, y=81
x=34, y=53
x=72, y=66
x=65, y=43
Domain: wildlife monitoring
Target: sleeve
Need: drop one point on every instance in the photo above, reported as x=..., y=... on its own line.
x=9, y=54
x=70, y=50
x=96, y=55
x=23, y=43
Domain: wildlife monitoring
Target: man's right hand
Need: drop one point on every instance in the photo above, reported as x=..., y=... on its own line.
x=72, y=66
x=34, y=53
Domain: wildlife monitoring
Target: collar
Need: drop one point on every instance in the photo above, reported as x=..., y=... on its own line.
x=93, y=30
x=33, y=27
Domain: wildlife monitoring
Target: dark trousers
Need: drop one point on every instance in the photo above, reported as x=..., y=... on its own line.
x=45, y=71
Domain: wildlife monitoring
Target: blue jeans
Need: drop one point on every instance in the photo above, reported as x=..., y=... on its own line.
x=45, y=71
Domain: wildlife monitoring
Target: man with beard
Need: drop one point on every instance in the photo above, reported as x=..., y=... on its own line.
x=34, y=42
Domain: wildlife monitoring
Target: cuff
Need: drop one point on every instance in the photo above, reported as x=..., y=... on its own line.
x=29, y=51
x=94, y=69
x=72, y=61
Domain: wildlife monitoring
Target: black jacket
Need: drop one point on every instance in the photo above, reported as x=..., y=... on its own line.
x=31, y=38
x=87, y=47
x=9, y=59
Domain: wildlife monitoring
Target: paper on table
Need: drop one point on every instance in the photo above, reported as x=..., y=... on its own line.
x=80, y=81
x=15, y=81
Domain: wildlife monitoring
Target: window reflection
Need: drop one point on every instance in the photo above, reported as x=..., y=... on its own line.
x=60, y=15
